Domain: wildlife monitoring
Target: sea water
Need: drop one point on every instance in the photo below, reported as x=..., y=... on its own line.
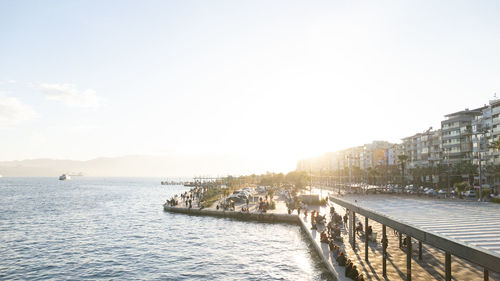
x=115, y=228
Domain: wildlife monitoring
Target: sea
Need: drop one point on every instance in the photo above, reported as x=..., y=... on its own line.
x=115, y=229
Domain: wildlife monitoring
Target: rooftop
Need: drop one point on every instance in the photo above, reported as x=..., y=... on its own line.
x=466, y=112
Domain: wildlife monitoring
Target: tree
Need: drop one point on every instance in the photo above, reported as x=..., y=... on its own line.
x=460, y=187
x=270, y=192
x=402, y=160
x=298, y=179
x=442, y=170
x=372, y=175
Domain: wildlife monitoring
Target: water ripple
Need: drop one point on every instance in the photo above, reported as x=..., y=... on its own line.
x=108, y=229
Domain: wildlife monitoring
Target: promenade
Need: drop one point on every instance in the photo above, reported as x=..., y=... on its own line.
x=429, y=266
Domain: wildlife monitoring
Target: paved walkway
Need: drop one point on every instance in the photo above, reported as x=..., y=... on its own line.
x=431, y=267
x=338, y=270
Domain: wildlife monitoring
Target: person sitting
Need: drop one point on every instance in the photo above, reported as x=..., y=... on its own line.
x=331, y=224
x=336, y=232
x=348, y=269
x=336, y=249
x=354, y=273
x=361, y=278
x=331, y=245
x=338, y=218
x=341, y=259
x=330, y=227
x=313, y=226
x=323, y=237
x=321, y=219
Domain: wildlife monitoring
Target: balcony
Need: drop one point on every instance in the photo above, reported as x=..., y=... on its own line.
x=495, y=110
x=496, y=130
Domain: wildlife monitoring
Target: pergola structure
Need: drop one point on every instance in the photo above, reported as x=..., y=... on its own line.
x=432, y=222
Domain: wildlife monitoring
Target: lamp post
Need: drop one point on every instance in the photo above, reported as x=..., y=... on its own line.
x=481, y=132
x=448, y=172
x=391, y=148
x=349, y=158
x=338, y=174
x=320, y=183
x=479, y=172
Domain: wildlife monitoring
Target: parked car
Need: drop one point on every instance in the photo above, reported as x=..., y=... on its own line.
x=430, y=191
x=470, y=193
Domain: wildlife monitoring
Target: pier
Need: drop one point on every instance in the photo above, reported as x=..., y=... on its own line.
x=253, y=216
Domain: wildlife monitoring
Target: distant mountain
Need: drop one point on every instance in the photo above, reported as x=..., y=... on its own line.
x=137, y=166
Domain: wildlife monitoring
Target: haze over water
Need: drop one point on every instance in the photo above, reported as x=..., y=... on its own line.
x=115, y=228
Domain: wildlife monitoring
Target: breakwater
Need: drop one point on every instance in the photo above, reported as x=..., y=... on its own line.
x=261, y=217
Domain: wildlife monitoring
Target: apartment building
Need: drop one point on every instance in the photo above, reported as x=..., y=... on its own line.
x=423, y=149
x=456, y=136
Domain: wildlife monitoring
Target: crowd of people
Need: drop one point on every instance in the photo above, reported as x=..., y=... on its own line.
x=226, y=205
x=331, y=235
x=263, y=205
x=194, y=195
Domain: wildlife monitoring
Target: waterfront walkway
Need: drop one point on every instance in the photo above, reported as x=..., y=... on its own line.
x=431, y=266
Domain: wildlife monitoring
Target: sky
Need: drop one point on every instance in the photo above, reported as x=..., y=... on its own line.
x=266, y=82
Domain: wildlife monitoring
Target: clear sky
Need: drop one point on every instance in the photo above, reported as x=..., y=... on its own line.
x=268, y=82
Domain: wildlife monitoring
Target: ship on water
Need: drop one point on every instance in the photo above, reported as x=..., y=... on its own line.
x=64, y=177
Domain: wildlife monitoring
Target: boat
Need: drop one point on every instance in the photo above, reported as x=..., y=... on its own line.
x=64, y=177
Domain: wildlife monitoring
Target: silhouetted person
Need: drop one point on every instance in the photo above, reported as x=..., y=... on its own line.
x=348, y=269
x=359, y=228
x=341, y=259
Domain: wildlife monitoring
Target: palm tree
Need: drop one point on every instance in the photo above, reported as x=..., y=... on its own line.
x=495, y=145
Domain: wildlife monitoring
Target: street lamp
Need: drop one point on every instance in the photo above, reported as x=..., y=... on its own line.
x=481, y=131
